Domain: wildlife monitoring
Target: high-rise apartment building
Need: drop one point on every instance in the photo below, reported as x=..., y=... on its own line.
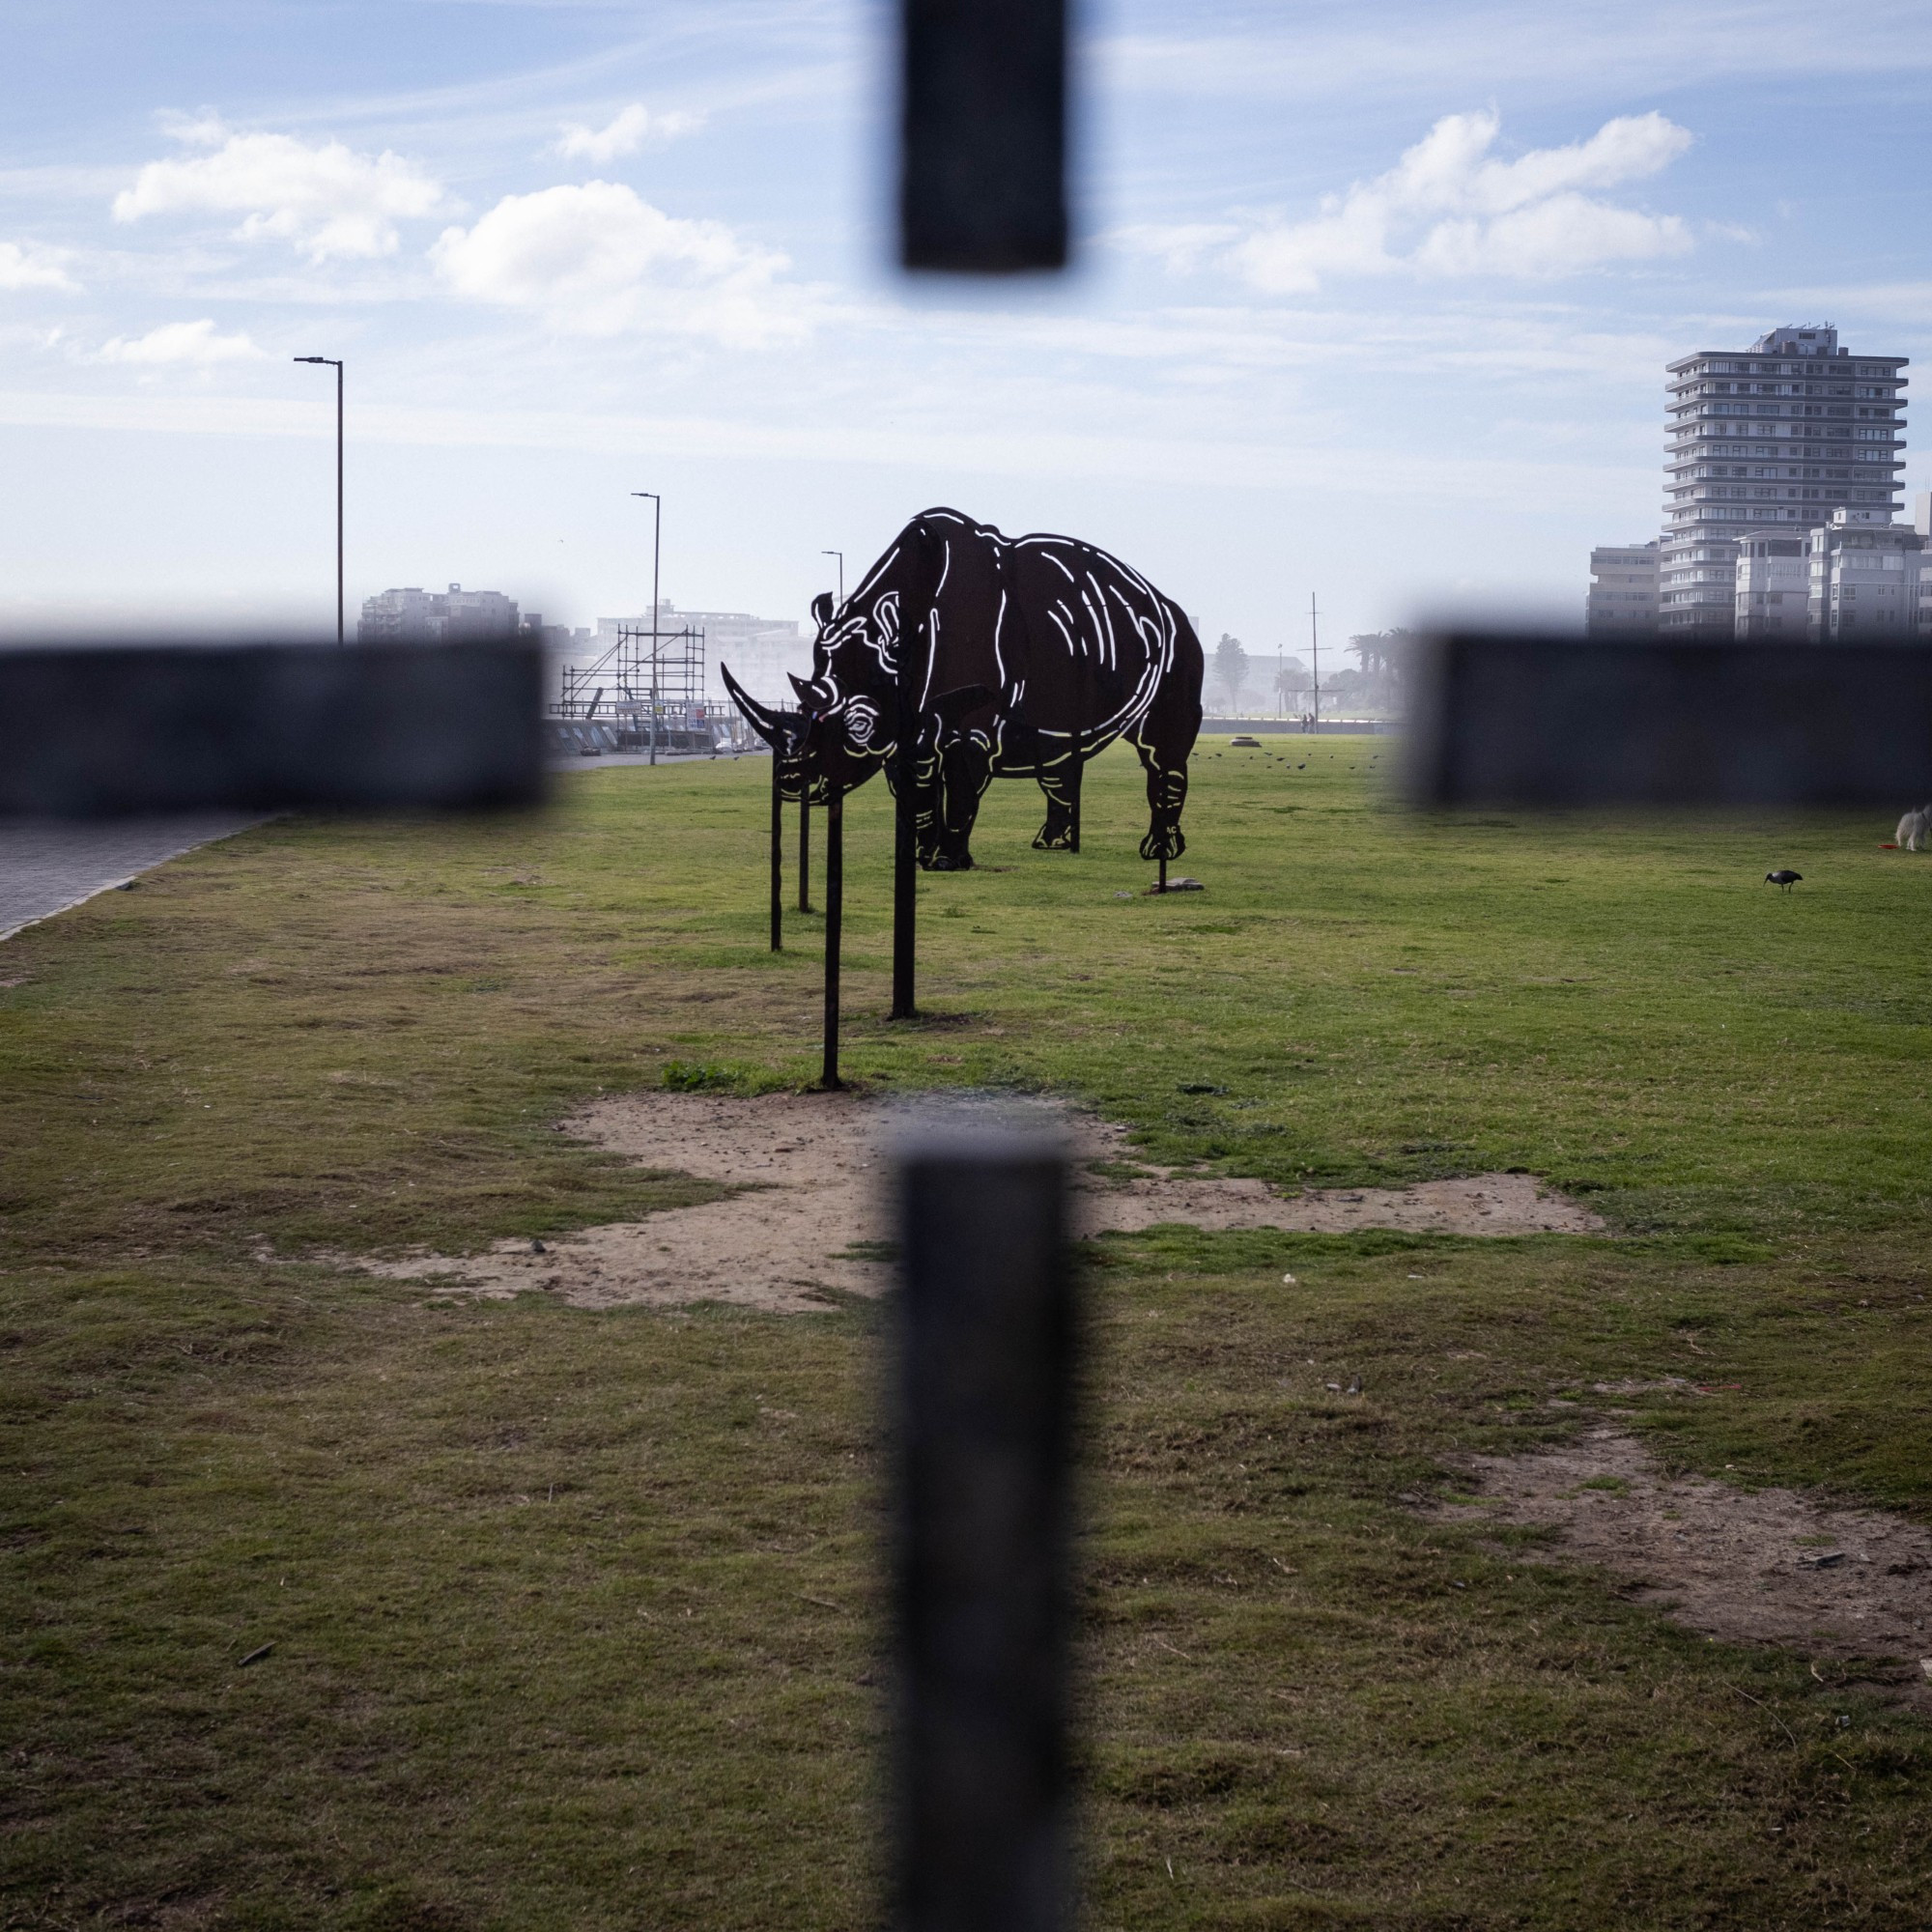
x=1623, y=589
x=1785, y=433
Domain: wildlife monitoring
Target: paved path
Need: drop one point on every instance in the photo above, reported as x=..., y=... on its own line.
x=46, y=866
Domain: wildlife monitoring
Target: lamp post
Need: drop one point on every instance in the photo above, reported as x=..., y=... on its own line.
x=657, y=533
x=1314, y=643
x=841, y=556
x=334, y=362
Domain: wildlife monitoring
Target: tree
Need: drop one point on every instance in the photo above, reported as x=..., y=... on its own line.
x=1291, y=680
x=1230, y=669
x=1383, y=656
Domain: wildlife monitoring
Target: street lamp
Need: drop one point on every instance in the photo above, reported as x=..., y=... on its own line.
x=1315, y=642
x=657, y=534
x=333, y=363
x=841, y=556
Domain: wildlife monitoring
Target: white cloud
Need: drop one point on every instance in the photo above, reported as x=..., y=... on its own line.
x=624, y=135
x=183, y=342
x=1451, y=206
x=32, y=268
x=1181, y=246
x=326, y=199
x=598, y=260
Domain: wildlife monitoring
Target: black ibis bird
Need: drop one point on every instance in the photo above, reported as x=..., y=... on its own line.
x=1784, y=877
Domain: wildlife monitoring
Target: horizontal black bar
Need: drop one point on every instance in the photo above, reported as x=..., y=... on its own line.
x=983, y=171
x=1536, y=721
x=99, y=731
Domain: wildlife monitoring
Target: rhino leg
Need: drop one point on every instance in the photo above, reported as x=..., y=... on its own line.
x=965, y=767
x=1165, y=744
x=1060, y=783
x=926, y=829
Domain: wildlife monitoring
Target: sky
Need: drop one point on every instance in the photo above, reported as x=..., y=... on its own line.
x=1372, y=303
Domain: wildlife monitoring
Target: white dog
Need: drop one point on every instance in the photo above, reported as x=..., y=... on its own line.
x=1913, y=827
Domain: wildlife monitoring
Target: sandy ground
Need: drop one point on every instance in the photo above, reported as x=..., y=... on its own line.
x=813, y=1167
x=1764, y=1566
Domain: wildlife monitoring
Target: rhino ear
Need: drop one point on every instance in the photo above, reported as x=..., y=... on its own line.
x=950, y=706
x=821, y=609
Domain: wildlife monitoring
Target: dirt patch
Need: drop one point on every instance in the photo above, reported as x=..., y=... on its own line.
x=810, y=1164
x=1762, y=1566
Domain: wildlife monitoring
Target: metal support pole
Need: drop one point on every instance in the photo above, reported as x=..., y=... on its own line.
x=341, y=618
x=657, y=547
x=778, y=858
x=835, y=913
x=341, y=611
x=905, y=890
x=1079, y=772
x=1315, y=645
x=1163, y=873
x=805, y=854
x=981, y=1785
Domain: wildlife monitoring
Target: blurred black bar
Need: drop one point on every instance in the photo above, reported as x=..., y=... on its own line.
x=983, y=169
x=981, y=1787
x=101, y=730
x=1531, y=720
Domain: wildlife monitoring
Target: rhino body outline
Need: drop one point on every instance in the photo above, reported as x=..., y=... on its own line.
x=1024, y=657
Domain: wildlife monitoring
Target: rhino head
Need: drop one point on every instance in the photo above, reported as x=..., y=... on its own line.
x=782, y=731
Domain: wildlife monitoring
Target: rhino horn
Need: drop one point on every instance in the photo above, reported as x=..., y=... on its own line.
x=766, y=724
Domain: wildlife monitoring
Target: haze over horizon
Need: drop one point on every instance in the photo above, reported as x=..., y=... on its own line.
x=1371, y=304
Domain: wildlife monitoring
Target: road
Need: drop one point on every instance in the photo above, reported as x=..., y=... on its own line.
x=46, y=866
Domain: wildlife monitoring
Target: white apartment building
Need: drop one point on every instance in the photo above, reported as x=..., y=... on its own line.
x=1867, y=578
x=1785, y=433
x=455, y=615
x=1773, y=586
x=1623, y=589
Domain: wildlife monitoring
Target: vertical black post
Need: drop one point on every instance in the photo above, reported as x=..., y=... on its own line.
x=906, y=866
x=834, y=912
x=805, y=853
x=1079, y=772
x=981, y=1786
x=778, y=855
x=1163, y=872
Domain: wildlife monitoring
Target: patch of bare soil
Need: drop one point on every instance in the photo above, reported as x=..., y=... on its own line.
x=809, y=1167
x=1763, y=1566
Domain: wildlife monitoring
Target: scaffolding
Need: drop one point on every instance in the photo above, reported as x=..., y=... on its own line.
x=648, y=690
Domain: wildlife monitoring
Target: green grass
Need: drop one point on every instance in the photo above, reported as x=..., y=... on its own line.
x=574, y=1615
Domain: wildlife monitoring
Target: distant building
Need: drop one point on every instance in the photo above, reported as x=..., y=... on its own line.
x=1773, y=586
x=1787, y=432
x=760, y=650
x=1623, y=589
x=455, y=615
x=1866, y=582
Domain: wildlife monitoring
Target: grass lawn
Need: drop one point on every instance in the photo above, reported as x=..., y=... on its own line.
x=325, y=1606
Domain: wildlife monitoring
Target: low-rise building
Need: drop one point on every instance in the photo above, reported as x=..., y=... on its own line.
x=1866, y=581
x=455, y=615
x=1623, y=589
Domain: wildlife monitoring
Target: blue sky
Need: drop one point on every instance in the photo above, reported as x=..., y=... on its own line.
x=1374, y=301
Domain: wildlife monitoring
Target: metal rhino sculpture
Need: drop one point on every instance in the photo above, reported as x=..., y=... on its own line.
x=965, y=656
